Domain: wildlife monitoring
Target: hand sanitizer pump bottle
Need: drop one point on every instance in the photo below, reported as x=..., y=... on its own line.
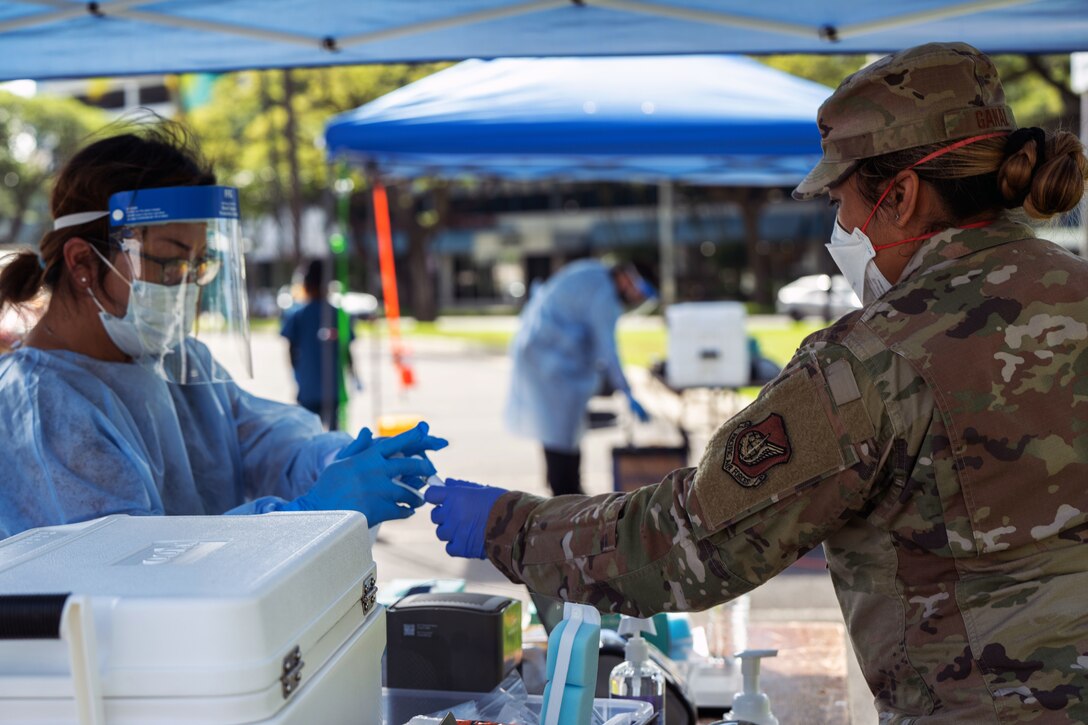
x=638, y=678
x=751, y=705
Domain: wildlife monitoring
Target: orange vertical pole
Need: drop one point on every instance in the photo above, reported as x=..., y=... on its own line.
x=387, y=265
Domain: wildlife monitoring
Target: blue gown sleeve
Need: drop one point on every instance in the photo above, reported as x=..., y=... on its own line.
x=283, y=448
x=604, y=311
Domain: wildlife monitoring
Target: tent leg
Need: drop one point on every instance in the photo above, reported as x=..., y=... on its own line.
x=666, y=241
x=389, y=281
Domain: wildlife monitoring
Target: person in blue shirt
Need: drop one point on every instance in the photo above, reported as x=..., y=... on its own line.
x=565, y=343
x=92, y=425
x=312, y=333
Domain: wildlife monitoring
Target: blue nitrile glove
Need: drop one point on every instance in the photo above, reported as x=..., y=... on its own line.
x=417, y=448
x=361, y=477
x=461, y=509
x=637, y=408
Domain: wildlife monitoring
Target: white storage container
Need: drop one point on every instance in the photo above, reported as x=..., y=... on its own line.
x=204, y=619
x=708, y=346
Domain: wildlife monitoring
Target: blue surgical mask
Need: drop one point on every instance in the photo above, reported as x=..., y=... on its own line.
x=157, y=318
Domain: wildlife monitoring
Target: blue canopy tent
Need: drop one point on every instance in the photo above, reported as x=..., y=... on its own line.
x=701, y=119
x=718, y=120
x=73, y=38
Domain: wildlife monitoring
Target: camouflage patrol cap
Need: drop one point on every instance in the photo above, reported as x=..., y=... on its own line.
x=917, y=97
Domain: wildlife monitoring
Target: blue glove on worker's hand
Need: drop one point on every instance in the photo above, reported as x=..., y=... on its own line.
x=461, y=509
x=412, y=447
x=637, y=408
x=361, y=477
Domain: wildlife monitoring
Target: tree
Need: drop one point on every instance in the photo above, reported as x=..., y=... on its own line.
x=1036, y=86
x=264, y=130
x=828, y=70
x=37, y=136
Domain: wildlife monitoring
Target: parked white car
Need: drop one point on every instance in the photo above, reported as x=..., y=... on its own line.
x=817, y=295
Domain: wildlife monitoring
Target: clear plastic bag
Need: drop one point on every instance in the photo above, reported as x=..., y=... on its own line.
x=507, y=703
x=510, y=704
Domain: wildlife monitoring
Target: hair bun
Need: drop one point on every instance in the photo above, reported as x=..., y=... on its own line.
x=21, y=278
x=1043, y=173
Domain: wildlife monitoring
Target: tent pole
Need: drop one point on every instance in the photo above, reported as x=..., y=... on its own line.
x=666, y=241
x=338, y=245
x=176, y=21
x=710, y=17
x=456, y=21
x=72, y=10
x=713, y=17
x=924, y=16
x=389, y=282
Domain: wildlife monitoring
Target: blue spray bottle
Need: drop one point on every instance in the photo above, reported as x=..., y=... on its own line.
x=638, y=678
x=573, y=651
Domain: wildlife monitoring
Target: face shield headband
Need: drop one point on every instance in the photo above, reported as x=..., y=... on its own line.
x=177, y=240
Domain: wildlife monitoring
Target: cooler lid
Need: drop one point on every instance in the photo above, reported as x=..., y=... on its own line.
x=213, y=599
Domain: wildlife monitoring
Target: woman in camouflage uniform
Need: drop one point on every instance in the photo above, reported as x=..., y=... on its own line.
x=935, y=441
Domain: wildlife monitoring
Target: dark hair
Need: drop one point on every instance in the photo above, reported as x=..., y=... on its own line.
x=1042, y=172
x=314, y=281
x=149, y=156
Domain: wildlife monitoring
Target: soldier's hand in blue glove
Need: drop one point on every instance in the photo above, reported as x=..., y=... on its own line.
x=361, y=477
x=637, y=408
x=461, y=509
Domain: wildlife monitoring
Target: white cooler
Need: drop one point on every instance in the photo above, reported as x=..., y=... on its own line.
x=203, y=619
x=708, y=345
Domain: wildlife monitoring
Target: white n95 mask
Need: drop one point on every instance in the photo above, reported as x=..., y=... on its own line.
x=854, y=253
x=856, y=259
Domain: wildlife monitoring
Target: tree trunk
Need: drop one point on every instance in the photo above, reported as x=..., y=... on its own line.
x=273, y=161
x=751, y=205
x=424, y=299
x=290, y=131
x=18, y=217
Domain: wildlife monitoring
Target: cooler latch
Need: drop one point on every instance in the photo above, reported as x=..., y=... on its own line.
x=370, y=594
x=292, y=672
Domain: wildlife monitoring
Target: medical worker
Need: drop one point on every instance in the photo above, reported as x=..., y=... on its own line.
x=112, y=405
x=564, y=348
x=312, y=330
x=935, y=441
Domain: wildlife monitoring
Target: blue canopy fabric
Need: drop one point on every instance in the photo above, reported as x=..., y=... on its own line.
x=43, y=39
x=700, y=119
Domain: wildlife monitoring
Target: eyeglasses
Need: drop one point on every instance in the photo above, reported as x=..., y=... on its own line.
x=200, y=271
x=174, y=271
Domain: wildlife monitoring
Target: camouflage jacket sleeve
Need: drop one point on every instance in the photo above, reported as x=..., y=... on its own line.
x=775, y=481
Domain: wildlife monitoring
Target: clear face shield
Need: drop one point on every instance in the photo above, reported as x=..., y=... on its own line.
x=182, y=250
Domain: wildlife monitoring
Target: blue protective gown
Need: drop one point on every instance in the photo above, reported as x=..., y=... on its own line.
x=86, y=438
x=566, y=341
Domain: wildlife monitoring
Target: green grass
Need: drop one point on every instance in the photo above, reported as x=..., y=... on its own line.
x=496, y=340
x=778, y=343
x=637, y=347
x=641, y=347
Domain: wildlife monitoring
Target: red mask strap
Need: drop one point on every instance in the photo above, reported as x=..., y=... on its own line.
x=928, y=157
x=976, y=225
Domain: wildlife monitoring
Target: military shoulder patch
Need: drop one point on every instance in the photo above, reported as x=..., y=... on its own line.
x=752, y=450
x=786, y=439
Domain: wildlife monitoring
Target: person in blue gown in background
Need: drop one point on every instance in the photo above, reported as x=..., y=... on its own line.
x=565, y=343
